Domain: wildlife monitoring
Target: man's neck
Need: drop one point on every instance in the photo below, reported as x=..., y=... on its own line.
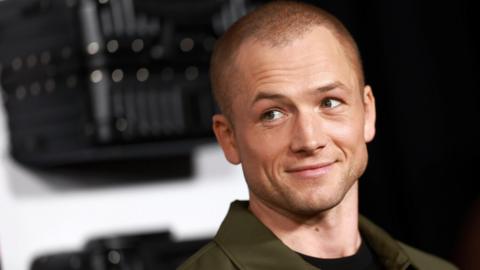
x=330, y=234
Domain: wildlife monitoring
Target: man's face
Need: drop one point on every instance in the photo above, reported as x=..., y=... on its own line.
x=300, y=123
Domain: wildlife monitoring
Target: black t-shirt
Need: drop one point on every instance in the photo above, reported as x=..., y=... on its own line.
x=364, y=259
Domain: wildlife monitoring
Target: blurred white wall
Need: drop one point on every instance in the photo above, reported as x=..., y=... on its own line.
x=38, y=217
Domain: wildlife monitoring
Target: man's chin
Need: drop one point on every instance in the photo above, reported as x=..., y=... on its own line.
x=311, y=208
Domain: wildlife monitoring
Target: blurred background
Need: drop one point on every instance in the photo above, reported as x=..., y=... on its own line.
x=108, y=161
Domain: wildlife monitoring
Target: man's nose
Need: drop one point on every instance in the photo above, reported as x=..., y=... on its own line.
x=308, y=134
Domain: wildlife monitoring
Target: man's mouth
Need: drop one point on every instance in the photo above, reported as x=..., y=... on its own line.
x=311, y=170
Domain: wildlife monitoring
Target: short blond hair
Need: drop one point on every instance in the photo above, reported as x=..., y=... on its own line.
x=276, y=23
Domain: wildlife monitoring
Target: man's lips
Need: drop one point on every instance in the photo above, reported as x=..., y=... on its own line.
x=311, y=170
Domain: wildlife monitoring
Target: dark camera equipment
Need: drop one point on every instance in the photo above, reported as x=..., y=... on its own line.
x=97, y=80
x=150, y=251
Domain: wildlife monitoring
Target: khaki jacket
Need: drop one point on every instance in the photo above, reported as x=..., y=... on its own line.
x=244, y=243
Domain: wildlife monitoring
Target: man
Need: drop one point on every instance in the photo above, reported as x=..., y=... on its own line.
x=297, y=115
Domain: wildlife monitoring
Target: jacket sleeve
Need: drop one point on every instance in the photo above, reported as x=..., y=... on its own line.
x=207, y=258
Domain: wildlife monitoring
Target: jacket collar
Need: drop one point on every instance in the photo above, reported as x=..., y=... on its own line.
x=387, y=249
x=251, y=245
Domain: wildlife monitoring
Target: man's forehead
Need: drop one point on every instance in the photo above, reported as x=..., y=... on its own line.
x=317, y=47
x=318, y=38
x=316, y=51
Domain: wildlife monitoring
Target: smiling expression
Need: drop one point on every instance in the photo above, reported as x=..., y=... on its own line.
x=300, y=123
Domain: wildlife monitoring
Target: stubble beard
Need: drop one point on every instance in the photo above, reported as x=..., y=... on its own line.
x=311, y=201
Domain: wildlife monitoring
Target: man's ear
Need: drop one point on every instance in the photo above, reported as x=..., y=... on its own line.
x=370, y=114
x=226, y=138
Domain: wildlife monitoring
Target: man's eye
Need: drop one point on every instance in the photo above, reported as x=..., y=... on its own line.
x=330, y=103
x=272, y=115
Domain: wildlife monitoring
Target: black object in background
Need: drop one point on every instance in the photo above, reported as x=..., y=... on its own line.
x=88, y=80
x=149, y=251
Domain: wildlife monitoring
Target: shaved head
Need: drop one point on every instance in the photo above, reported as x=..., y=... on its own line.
x=274, y=24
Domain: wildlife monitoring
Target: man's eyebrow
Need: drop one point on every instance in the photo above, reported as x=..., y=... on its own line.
x=267, y=95
x=322, y=89
x=331, y=86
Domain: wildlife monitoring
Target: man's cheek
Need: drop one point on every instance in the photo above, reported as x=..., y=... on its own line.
x=346, y=132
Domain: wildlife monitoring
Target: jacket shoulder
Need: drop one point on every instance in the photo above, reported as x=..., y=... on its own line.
x=423, y=260
x=208, y=257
